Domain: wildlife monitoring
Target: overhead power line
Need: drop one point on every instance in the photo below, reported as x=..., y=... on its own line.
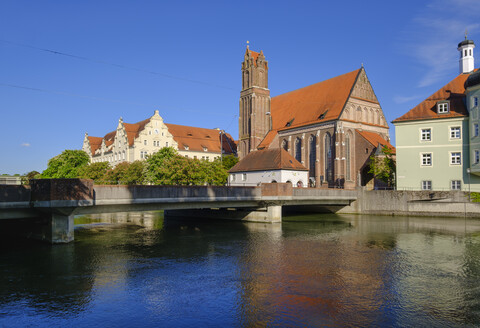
x=103, y=62
x=96, y=98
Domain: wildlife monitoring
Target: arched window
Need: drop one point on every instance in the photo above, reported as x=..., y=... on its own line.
x=298, y=149
x=328, y=158
x=348, y=175
x=312, y=155
x=359, y=114
x=285, y=144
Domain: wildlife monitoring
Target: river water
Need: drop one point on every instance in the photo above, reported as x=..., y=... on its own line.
x=141, y=270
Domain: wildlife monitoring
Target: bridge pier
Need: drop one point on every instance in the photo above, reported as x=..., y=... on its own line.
x=53, y=228
x=269, y=214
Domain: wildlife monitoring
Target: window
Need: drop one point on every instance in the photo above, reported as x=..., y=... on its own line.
x=427, y=185
x=145, y=142
x=475, y=130
x=455, y=158
x=456, y=185
x=426, y=134
x=166, y=144
x=244, y=177
x=232, y=177
x=427, y=159
x=442, y=108
x=477, y=156
x=455, y=132
x=475, y=101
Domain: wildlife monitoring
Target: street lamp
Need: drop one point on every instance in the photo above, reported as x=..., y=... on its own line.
x=468, y=172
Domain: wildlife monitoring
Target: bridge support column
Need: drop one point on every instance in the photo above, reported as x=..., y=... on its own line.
x=269, y=214
x=54, y=228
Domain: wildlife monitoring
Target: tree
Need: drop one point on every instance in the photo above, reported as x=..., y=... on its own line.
x=383, y=166
x=94, y=171
x=229, y=161
x=157, y=165
x=30, y=175
x=126, y=173
x=66, y=165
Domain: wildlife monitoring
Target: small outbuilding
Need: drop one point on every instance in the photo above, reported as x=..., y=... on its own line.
x=268, y=166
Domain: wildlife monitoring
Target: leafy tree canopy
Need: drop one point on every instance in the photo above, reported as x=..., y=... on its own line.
x=66, y=165
x=383, y=167
x=229, y=161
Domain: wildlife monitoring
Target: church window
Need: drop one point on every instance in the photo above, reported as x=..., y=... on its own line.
x=475, y=130
x=347, y=158
x=298, y=149
x=442, y=107
x=285, y=144
x=328, y=158
x=475, y=101
x=313, y=155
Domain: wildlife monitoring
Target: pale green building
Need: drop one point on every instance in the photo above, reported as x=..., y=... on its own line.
x=437, y=141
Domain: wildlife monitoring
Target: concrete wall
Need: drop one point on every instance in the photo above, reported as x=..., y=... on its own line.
x=413, y=203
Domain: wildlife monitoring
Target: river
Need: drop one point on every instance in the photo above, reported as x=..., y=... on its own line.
x=141, y=270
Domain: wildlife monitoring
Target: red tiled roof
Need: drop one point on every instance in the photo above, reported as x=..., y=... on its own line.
x=95, y=143
x=267, y=140
x=375, y=139
x=254, y=55
x=306, y=105
x=197, y=138
x=454, y=91
x=268, y=159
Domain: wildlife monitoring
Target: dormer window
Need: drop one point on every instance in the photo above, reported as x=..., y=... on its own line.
x=205, y=148
x=186, y=147
x=443, y=107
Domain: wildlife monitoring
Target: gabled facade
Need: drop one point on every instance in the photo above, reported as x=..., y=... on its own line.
x=317, y=124
x=131, y=142
x=268, y=166
x=436, y=139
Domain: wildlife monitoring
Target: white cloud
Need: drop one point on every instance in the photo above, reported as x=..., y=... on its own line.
x=402, y=99
x=25, y=144
x=434, y=33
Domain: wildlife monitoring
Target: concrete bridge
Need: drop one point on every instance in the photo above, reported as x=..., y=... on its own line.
x=48, y=206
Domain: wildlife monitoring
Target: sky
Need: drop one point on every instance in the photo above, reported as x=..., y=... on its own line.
x=71, y=67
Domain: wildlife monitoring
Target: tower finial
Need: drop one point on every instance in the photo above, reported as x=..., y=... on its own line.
x=466, y=32
x=248, y=43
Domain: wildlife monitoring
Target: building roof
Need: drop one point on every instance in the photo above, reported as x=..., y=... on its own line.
x=375, y=139
x=95, y=143
x=473, y=79
x=196, y=139
x=255, y=55
x=465, y=42
x=268, y=159
x=316, y=103
x=453, y=91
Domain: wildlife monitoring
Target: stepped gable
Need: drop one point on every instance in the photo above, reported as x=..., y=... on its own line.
x=269, y=159
x=133, y=130
x=95, y=143
x=454, y=91
x=375, y=139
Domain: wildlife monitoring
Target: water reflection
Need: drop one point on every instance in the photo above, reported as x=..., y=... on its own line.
x=137, y=269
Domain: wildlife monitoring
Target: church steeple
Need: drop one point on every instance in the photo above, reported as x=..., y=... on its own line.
x=466, y=61
x=254, y=118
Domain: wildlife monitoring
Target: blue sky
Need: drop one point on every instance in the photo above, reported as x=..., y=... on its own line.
x=70, y=67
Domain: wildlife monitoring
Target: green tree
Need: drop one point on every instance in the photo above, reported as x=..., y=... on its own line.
x=94, y=171
x=127, y=173
x=157, y=165
x=383, y=166
x=30, y=175
x=66, y=165
x=229, y=161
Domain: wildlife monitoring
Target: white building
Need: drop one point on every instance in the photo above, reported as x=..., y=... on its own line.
x=131, y=142
x=268, y=166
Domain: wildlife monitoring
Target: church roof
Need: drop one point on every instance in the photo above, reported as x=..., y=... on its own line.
x=375, y=139
x=453, y=91
x=269, y=159
x=316, y=103
x=473, y=79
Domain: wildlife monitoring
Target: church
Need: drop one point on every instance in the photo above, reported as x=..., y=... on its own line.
x=331, y=127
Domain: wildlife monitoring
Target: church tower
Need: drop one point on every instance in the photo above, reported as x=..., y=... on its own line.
x=467, y=63
x=254, y=119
